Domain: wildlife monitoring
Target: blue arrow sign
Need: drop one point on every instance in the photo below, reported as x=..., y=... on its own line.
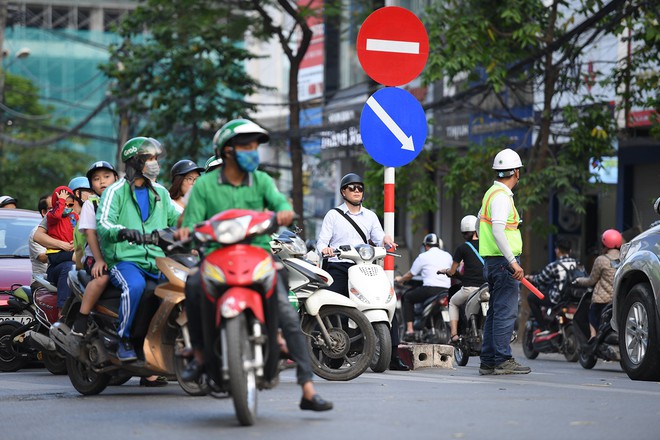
x=393, y=127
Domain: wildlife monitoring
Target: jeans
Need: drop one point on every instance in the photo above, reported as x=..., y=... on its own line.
x=57, y=274
x=502, y=311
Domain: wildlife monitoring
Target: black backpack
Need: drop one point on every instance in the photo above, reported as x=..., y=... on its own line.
x=571, y=291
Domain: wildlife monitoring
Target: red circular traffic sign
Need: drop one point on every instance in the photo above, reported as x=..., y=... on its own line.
x=392, y=46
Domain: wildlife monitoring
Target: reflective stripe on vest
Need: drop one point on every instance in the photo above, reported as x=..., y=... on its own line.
x=487, y=245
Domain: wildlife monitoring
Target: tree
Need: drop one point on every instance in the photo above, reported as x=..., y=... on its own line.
x=29, y=172
x=183, y=74
x=510, y=48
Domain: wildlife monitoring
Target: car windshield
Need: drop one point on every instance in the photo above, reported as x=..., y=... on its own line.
x=14, y=235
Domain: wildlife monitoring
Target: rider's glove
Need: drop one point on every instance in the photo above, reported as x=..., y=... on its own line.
x=132, y=235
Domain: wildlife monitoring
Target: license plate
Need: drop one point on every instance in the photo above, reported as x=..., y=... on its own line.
x=445, y=315
x=484, y=308
x=18, y=318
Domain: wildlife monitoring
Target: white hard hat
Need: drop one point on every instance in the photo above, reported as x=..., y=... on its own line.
x=507, y=159
x=469, y=223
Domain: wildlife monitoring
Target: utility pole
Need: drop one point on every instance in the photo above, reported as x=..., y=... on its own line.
x=3, y=25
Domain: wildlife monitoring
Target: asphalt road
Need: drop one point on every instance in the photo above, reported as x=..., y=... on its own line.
x=558, y=400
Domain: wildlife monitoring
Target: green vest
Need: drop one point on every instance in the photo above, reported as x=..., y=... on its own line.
x=487, y=245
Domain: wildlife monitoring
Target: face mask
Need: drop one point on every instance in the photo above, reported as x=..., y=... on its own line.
x=67, y=211
x=248, y=160
x=151, y=170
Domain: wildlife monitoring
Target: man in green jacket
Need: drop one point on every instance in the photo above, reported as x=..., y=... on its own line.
x=238, y=184
x=129, y=208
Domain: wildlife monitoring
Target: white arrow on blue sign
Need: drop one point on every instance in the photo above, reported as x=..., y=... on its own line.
x=393, y=127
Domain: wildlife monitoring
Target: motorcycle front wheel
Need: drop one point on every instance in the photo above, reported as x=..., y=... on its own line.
x=587, y=361
x=242, y=374
x=350, y=349
x=383, y=351
x=461, y=355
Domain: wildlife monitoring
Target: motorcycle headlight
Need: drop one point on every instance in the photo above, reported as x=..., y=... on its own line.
x=232, y=231
x=365, y=251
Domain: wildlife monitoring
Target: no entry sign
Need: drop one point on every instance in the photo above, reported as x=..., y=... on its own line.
x=392, y=46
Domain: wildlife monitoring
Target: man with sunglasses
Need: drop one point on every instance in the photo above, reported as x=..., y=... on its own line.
x=338, y=230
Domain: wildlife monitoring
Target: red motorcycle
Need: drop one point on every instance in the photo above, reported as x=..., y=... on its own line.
x=25, y=317
x=238, y=279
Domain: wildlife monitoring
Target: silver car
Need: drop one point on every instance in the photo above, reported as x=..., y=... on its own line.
x=636, y=304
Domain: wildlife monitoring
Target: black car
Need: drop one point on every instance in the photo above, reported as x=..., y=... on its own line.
x=636, y=304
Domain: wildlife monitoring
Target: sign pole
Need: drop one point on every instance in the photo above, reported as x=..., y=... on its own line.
x=389, y=217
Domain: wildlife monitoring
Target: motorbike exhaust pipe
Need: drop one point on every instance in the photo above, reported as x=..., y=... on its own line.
x=42, y=342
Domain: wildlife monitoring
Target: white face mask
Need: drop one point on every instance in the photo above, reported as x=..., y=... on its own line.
x=151, y=169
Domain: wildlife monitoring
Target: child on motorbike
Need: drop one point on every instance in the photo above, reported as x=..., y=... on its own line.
x=602, y=278
x=238, y=184
x=100, y=175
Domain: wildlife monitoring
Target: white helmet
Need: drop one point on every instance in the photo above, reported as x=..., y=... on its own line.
x=469, y=223
x=507, y=159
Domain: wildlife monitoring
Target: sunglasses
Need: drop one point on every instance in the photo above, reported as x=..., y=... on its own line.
x=69, y=205
x=355, y=188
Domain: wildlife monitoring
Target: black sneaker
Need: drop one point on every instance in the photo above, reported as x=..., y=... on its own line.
x=79, y=325
x=510, y=366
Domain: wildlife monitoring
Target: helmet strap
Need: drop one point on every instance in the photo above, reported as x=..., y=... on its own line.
x=353, y=203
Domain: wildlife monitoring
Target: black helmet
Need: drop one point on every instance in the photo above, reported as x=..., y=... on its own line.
x=101, y=164
x=183, y=167
x=431, y=240
x=350, y=178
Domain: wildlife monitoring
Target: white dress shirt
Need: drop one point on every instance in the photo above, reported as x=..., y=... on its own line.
x=428, y=263
x=336, y=230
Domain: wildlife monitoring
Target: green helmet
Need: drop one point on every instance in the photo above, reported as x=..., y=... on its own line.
x=140, y=146
x=243, y=129
x=212, y=162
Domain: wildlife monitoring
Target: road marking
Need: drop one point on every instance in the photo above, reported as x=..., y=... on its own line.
x=376, y=45
x=406, y=141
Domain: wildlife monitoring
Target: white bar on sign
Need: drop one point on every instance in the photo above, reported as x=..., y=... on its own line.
x=375, y=45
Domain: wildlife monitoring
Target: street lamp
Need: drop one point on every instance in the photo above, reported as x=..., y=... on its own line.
x=22, y=53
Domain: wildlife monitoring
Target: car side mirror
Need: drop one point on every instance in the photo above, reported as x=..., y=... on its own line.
x=656, y=205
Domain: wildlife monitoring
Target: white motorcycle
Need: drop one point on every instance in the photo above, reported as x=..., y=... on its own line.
x=340, y=339
x=370, y=289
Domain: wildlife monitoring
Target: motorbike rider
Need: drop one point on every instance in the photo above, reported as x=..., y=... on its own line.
x=184, y=174
x=500, y=244
x=602, y=278
x=473, y=271
x=129, y=208
x=553, y=277
x=340, y=227
x=238, y=184
x=434, y=283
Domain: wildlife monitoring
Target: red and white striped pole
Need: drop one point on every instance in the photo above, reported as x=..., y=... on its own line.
x=389, y=217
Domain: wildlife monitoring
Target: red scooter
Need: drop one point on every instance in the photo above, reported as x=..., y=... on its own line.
x=238, y=279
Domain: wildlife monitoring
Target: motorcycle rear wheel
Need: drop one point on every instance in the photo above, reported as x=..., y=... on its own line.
x=242, y=375
x=84, y=379
x=527, y=343
x=10, y=360
x=353, y=348
x=570, y=346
